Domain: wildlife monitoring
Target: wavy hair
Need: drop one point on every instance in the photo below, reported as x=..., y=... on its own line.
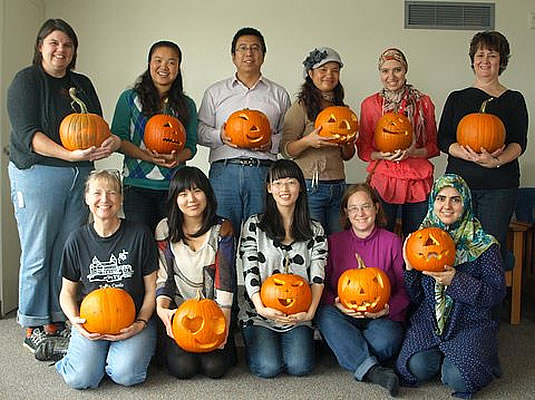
x=310, y=96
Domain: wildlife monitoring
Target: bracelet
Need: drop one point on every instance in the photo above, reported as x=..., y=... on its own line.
x=142, y=320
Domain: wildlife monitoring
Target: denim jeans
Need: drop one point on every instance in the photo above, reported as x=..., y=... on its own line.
x=146, y=206
x=358, y=344
x=324, y=202
x=425, y=365
x=270, y=353
x=494, y=209
x=125, y=361
x=239, y=191
x=49, y=205
x=412, y=215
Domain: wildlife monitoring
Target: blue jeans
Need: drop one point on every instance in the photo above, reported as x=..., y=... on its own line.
x=269, y=353
x=494, y=208
x=412, y=215
x=49, y=205
x=239, y=191
x=324, y=202
x=425, y=365
x=146, y=206
x=124, y=361
x=358, y=344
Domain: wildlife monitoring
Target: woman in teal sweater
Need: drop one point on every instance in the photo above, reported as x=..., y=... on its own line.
x=147, y=173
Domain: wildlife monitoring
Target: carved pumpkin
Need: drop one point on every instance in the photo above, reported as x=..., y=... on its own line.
x=339, y=123
x=248, y=128
x=80, y=131
x=393, y=132
x=107, y=310
x=164, y=133
x=430, y=249
x=199, y=326
x=480, y=129
x=364, y=289
x=287, y=293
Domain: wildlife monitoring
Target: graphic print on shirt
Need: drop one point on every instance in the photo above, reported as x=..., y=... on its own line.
x=112, y=271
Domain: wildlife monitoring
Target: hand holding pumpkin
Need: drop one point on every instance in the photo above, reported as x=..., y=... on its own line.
x=444, y=278
x=317, y=141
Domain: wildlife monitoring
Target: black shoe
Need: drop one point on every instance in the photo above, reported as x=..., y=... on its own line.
x=34, y=338
x=385, y=377
x=54, y=348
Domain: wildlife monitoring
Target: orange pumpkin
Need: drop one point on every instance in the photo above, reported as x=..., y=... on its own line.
x=164, y=133
x=393, y=132
x=364, y=289
x=287, y=293
x=430, y=249
x=248, y=129
x=107, y=310
x=481, y=130
x=199, y=325
x=339, y=123
x=80, y=131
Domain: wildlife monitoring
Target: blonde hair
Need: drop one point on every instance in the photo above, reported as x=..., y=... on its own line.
x=111, y=176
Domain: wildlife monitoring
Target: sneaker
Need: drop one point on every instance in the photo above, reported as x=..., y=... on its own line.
x=34, y=338
x=54, y=348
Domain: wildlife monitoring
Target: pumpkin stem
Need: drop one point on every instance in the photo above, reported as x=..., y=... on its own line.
x=484, y=105
x=165, y=108
x=360, y=261
x=199, y=295
x=72, y=93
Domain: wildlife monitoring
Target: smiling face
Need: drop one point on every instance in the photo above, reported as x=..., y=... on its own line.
x=285, y=191
x=392, y=74
x=248, y=56
x=163, y=67
x=361, y=212
x=192, y=202
x=104, y=198
x=448, y=206
x=57, y=50
x=486, y=63
x=326, y=77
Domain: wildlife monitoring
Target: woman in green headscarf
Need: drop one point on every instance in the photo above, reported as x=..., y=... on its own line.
x=452, y=331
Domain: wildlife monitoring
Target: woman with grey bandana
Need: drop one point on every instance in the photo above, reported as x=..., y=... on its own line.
x=403, y=178
x=321, y=160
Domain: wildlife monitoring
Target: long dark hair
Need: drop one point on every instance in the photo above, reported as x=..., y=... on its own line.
x=271, y=221
x=311, y=97
x=148, y=94
x=189, y=178
x=51, y=25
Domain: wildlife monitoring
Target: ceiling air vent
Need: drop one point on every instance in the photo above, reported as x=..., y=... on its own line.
x=449, y=15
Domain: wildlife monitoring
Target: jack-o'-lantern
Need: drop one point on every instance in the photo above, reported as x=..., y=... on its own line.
x=199, y=325
x=393, y=132
x=338, y=123
x=80, y=131
x=164, y=133
x=430, y=249
x=364, y=289
x=248, y=129
x=481, y=130
x=287, y=293
x=107, y=310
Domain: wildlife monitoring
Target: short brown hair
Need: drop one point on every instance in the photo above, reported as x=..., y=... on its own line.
x=380, y=219
x=491, y=40
x=48, y=27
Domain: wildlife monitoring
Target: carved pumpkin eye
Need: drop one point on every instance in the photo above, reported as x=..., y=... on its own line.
x=430, y=249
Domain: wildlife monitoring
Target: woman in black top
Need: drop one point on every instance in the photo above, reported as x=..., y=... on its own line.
x=492, y=177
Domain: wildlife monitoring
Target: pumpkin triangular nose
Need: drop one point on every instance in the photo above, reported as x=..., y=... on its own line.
x=254, y=128
x=167, y=125
x=332, y=119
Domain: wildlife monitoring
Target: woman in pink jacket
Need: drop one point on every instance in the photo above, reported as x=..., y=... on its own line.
x=403, y=178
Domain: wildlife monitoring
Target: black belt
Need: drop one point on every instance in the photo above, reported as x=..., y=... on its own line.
x=246, y=162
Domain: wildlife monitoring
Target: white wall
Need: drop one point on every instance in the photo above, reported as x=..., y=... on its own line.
x=115, y=37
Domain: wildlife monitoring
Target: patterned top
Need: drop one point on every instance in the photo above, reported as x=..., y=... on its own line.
x=263, y=257
x=129, y=124
x=469, y=339
x=210, y=269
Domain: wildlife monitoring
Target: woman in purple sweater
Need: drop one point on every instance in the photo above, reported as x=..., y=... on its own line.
x=361, y=341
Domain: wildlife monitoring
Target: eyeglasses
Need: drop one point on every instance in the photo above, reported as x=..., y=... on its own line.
x=366, y=207
x=243, y=48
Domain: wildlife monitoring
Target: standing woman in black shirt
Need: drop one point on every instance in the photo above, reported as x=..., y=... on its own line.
x=47, y=180
x=492, y=177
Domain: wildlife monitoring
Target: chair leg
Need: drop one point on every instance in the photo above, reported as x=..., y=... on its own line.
x=516, y=287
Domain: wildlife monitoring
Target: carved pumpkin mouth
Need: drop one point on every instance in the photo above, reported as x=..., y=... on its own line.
x=286, y=302
x=254, y=138
x=432, y=241
x=392, y=132
x=170, y=140
x=362, y=306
